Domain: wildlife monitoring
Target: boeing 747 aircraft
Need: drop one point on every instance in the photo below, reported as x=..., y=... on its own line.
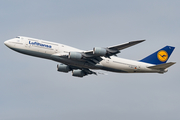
x=81, y=62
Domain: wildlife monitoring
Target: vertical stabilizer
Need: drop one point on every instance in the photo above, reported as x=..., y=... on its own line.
x=159, y=57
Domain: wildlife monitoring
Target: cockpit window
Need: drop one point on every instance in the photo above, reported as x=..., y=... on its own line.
x=18, y=37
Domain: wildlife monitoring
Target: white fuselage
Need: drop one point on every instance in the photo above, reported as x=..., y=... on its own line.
x=58, y=52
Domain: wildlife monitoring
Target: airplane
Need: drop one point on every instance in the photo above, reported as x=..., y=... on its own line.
x=82, y=62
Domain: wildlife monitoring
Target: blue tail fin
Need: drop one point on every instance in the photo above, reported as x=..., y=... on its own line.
x=159, y=57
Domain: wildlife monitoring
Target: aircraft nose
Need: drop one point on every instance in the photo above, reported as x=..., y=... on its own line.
x=6, y=42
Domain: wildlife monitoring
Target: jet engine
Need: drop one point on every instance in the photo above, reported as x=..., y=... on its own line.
x=63, y=68
x=99, y=51
x=78, y=73
x=75, y=55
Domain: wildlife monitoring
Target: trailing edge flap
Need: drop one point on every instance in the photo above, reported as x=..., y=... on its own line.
x=162, y=66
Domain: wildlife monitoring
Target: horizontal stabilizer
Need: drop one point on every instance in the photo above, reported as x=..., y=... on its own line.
x=162, y=66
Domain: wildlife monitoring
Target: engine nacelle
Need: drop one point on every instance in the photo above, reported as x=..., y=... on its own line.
x=75, y=55
x=63, y=68
x=78, y=73
x=99, y=51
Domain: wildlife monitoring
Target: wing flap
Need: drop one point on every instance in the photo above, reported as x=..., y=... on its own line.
x=162, y=66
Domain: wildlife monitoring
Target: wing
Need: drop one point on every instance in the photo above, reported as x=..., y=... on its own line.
x=126, y=45
x=113, y=50
x=94, y=56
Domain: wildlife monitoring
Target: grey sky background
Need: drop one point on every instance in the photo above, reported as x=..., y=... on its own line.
x=31, y=88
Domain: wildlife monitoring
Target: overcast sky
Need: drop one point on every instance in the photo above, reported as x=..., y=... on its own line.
x=31, y=88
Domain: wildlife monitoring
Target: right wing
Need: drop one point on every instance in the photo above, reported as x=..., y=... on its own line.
x=113, y=50
x=125, y=45
x=94, y=56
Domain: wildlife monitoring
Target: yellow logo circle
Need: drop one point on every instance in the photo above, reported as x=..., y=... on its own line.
x=162, y=55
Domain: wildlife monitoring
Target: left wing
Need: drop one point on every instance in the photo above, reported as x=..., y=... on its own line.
x=92, y=57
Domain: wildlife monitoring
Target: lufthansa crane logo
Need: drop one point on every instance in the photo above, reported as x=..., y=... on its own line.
x=162, y=55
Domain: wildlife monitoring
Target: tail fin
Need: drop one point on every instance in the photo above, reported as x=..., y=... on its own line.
x=159, y=57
